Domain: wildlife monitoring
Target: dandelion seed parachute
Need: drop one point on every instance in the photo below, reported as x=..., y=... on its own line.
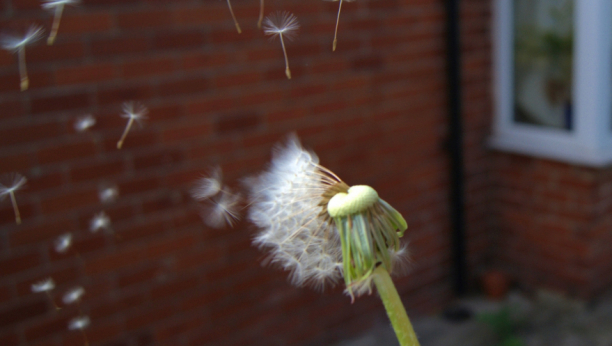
x=17, y=44
x=18, y=181
x=283, y=25
x=133, y=112
x=58, y=7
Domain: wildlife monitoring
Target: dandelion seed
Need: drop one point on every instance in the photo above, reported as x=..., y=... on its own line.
x=18, y=44
x=45, y=286
x=208, y=187
x=63, y=243
x=338, y=21
x=73, y=295
x=58, y=7
x=224, y=210
x=84, y=123
x=17, y=182
x=234, y=17
x=80, y=323
x=108, y=194
x=284, y=25
x=100, y=221
x=133, y=112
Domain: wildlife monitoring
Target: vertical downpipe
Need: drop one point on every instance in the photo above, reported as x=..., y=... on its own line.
x=455, y=147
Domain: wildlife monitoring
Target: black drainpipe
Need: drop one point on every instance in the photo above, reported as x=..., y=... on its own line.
x=455, y=147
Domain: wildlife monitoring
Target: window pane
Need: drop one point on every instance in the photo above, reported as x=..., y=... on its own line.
x=543, y=41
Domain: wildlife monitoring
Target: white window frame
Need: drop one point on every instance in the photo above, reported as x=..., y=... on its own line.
x=589, y=142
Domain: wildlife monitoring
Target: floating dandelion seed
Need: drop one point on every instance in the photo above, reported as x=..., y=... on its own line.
x=284, y=25
x=234, y=17
x=208, y=187
x=108, y=194
x=133, y=112
x=320, y=229
x=84, y=123
x=100, y=221
x=43, y=286
x=73, y=295
x=338, y=21
x=58, y=7
x=223, y=211
x=18, y=44
x=80, y=323
x=18, y=182
x=63, y=243
x=46, y=286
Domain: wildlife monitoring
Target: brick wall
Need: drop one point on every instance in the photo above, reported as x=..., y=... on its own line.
x=554, y=224
x=217, y=97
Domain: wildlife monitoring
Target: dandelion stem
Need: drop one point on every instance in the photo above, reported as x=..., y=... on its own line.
x=125, y=132
x=395, y=309
x=287, y=71
x=57, y=308
x=56, y=22
x=261, y=13
x=234, y=17
x=336, y=32
x=15, y=208
x=23, y=71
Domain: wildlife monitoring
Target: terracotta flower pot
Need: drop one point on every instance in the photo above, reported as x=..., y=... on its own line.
x=495, y=284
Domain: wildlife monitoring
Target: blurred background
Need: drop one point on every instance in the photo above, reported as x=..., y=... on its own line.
x=378, y=111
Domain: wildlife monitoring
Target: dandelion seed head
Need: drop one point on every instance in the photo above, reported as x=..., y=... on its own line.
x=84, y=123
x=134, y=110
x=286, y=206
x=17, y=182
x=15, y=43
x=63, y=242
x=52, y=4
x=99, y=221
x=73, y=295
x=223, y=210
x=207, y=187
x=79, y=323
x=108, y=194
x=281, y=23
x=43, y=286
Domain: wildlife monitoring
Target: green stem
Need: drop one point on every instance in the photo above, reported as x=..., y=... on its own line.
x=395, y=309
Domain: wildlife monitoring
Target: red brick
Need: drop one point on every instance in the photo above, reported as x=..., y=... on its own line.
x=151, y=67
x=9, y=338
x=185, y=132
x=144, y=19
x=120, y=46
x=97, y=171
x=60, y=103
x=184, y=86
x=123, y=94
x=177, y=40
x=22, y=312
x=237, y=122
x=55, y=325
x=69, y=201
x=59, y=51
x=86, y=74
x=66, y=152
x=28, y=134
x=85, y=23
x=18, y=263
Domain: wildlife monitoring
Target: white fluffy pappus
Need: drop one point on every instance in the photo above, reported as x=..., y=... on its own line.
x=286, y=204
